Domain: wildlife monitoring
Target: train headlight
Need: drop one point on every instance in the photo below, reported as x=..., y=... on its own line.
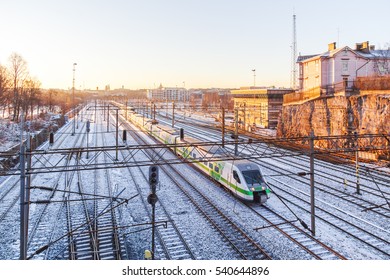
x=252, y=189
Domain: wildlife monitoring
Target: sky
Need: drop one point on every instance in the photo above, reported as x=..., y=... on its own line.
x=139, y=44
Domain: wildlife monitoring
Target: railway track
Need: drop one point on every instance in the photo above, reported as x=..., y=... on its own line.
x=244, y=246
x=305, y=241
x=10, y=191
x=95, y=234
x=362, y=231
x=173, y=244
x=370, y=239
x=365, y=204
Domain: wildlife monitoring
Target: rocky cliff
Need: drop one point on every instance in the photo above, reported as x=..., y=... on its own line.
x=365, y=113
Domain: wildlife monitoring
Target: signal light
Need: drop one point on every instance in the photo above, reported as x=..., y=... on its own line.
x=153, y=175
x=181, y=133
x=51, y=138
x=88, y=126
x=124, y=136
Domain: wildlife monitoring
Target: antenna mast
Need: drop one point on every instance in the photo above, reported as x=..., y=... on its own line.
x=293, y=81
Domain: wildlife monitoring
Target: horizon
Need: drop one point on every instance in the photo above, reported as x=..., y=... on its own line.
x=191, y=44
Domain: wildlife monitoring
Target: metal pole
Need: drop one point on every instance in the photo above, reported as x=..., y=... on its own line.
x=28, y=187
x=236, y=133
x=104, y=110
x=126, y=111
x=117, y=135
x=357, y=172
x=244, y=116
x=108, y=117
x=153, y=229
x=173, y=114
x=23, y=243
x=87, y=144
x=223, y=127
x=312, y=197
x=74, y=108
x=77, y=113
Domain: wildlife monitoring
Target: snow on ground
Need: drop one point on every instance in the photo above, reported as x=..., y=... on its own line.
x=206, y=242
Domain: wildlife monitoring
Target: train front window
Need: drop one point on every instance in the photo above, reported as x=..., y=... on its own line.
x=253, y=177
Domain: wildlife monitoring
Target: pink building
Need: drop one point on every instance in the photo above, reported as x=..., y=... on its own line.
x=336, y=70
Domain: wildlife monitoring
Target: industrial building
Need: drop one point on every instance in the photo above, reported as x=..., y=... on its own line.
x=258, y=107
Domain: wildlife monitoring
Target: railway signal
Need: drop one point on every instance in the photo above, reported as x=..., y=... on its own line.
x=51, y=138
x=124, y=136
x=152, y=199
x=153, y=176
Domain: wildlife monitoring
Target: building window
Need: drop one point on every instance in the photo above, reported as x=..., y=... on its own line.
x=344, y=66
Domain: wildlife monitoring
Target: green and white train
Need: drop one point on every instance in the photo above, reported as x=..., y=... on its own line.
x=243, y=178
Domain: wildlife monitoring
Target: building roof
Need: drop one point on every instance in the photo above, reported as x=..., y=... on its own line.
x=372, y=54
x=305, y=57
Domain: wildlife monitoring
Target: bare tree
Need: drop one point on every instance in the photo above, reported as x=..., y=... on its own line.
x=4, y=87
x=18, y=73
x=382, y=61
x=30, y=96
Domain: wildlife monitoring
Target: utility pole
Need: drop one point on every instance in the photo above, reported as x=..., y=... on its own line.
x=22, y=165
x=312, y=197
x=74, y=104
x=126, y=110
x=357, y=164
x=76, y=118
x=236, y=132
x=117, y=134
x=244, y=116
x=173, y=114
x=28, y=183
x=166, y=109
x=223, y=127
x=294, y=55
x=104, y=110
x=152, y=199
x=88, y=130
x=154, y=111
x=108, y=116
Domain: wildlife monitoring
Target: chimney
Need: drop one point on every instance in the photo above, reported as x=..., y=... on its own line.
x=363, y=47
x=332, y=46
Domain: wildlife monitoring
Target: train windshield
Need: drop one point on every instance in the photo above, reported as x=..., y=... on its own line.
x=253, y=177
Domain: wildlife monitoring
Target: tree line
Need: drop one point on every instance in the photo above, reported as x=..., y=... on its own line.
x=21, y=94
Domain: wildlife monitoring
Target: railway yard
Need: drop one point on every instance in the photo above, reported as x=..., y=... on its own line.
x=78, y=212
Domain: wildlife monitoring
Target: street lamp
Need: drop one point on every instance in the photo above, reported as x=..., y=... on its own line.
x=74, y=109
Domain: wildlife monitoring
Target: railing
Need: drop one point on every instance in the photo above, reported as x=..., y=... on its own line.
x=302, y=96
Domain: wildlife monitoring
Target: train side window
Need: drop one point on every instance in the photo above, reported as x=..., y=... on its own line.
x=194, y=155
x=210, y=165
x=235, y=176
x=216, y=169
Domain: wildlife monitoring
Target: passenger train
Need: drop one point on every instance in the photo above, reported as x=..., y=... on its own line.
x=241, y=177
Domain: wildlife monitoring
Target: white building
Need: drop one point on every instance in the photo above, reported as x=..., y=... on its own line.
x=168, y=94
